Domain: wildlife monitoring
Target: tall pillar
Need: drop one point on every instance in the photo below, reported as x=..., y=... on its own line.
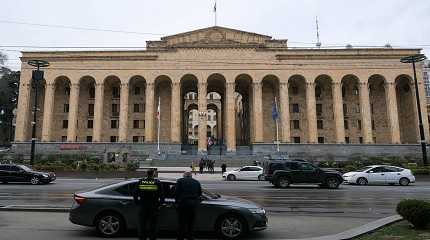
x=98, y=112
x=202, y=146
x=149, y=113
x=73, y=113
x=258, y=112
x=231, y=118
x=365, y=113
x=338, y=112
x=123, y=115
x=311, y=113
x=48, y=111
x=392, y=112
x=284, y=111
x=424, y=108
x=175, y=115
x=23, y=113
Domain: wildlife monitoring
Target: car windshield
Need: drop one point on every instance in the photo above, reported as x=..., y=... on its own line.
x=363, y=169
x=25, y=168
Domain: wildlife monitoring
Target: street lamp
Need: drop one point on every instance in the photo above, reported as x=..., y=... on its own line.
x=37, y=75
x=413, y=59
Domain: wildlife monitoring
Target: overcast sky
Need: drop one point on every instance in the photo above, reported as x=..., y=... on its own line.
x=403, y=23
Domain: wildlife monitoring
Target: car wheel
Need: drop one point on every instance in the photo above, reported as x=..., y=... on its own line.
x=283, y=182
x=34, y=180
x=261, y=177
x=231, y=227
x=231, y=177
x=332, y=183
x=109, y=225
x=362, y=181
x=404, y=181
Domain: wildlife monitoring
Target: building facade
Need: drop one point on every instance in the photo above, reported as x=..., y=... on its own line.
x=323, y=96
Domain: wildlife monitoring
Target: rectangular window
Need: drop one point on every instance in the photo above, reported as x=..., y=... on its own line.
x=92, y=92
x=67, y=91
x=296, y=108
x=135, y=123
x=143, y=123
x=360, y=139
x=359, y=124
x=296, y=124
x=374, y=139
x=357, y=108
x=136, y=108
x=347, y=139
x=64, y=138
x=345, y=109
x=113, y=123
x=373, y=124
x=296, y=139
x=345, y=123
x=115, y=92
x=66, y=108
x=320, y=139
x=89, y=138
x=65, y=123
x=135, y=139
x=90, y=124
x=319, y=109
x=113, y=138
x=320, y=124
x=115, y=111
x=371, y=108
x=91, y=109
x=137, y=91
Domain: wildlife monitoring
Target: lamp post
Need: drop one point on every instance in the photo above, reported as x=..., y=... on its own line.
x=413, y=59
x=37, y=75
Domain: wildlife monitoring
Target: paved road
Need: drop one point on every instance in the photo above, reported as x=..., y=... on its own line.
x=354, y=201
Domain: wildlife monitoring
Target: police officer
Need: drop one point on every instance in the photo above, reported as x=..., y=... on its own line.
x=187, y=197
x=149, y=196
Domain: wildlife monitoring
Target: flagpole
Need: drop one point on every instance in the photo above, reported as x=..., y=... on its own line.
x=158, y=130
x=215, y=12
x=277, y=128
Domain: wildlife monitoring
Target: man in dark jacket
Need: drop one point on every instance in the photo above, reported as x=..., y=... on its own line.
x=149, y=196
x=187, y=197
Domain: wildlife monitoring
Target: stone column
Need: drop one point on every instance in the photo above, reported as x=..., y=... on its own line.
x=338, y=112
x=149, y=113
x=231, y=118
x=175, y=115
x=284, y=112
x=424, y=112
x=392, y=112
x=48, y=111
x=123, y=115
x=258, y=112
x=73, y=113
x=98, y=112
x=311, y=113
x=366, y=118
x=202, y=93
x=23, y=112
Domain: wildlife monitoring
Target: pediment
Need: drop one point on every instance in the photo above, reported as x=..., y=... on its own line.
x=212, y=37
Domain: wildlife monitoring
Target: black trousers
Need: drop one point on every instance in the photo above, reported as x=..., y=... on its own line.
x=148, y=222
x=186, y=216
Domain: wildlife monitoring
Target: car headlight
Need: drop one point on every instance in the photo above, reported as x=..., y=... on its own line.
x=45, y=175
x=257, y=210
x=352, y=175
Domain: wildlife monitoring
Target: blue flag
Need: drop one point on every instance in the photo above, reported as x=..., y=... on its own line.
x=274, y=111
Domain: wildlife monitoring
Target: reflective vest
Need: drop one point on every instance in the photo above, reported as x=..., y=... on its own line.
x=148, y=185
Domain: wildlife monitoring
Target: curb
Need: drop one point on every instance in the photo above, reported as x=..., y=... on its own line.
x=32, y=208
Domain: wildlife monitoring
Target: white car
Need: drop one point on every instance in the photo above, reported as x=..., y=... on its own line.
x=244, y=173
x=380, y=174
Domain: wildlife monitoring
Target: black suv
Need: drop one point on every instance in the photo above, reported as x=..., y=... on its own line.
x=282, y=173
x=21, y=173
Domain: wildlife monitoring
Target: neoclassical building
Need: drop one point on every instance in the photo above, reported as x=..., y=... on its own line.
x=355, y=96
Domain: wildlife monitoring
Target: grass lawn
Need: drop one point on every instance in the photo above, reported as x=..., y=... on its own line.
x=398, y=231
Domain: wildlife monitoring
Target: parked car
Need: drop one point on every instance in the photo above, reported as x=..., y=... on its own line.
x=22, y=173
x=229, y=217
x=245, y=173
x=380, y=174
x=282, y=173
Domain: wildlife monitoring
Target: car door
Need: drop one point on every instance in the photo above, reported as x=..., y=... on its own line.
x=4, y=173
x=167, y=216
x=376, y=175
x=245, y=173
x=123, y=201
x=17, y=174
x=308, y=173
x=254, y=173
x=392, y=174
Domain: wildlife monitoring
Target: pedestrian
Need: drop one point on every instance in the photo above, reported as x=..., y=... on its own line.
x=193, y=168
x=201, y=166
x=223, y=168
x=187, y=197
x=212, y=166
x=149, y=196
